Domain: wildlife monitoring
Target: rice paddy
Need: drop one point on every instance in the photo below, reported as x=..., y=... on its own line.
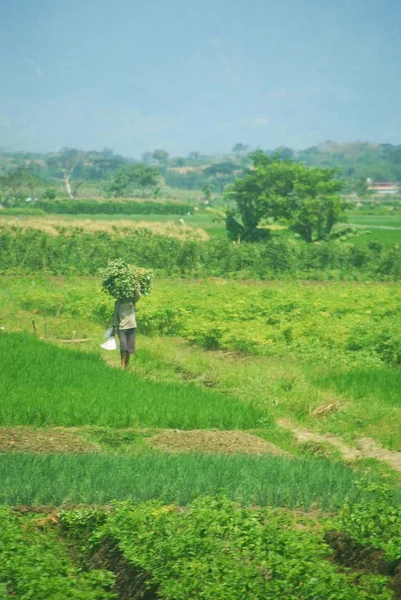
x=44, y=385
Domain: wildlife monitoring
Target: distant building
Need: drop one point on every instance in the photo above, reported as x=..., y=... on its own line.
x=384, y=187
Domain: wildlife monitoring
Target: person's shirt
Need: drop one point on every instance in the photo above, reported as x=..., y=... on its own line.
x=124, y=314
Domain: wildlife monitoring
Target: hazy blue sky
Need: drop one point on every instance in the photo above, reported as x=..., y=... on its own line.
x=185, y=75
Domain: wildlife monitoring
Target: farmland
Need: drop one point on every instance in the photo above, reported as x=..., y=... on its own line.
x=200, y=325
x=202, y=435
x=384, y=228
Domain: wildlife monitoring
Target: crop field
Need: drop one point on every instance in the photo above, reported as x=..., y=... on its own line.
x=385, y=229
x=254, y=444
x=53, y=383
x=101, y=479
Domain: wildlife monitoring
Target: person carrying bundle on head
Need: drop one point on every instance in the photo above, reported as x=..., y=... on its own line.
x=126, y=284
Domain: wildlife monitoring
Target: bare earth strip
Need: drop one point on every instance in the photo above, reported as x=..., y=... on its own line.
x=24, y=439
x=212, y=442
x=68, y=440
x=367, y=448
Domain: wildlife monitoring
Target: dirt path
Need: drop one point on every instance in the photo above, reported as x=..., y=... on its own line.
x=366, y=448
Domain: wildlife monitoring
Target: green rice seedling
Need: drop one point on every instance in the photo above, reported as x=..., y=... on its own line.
x=44, y=385
x=100, y=479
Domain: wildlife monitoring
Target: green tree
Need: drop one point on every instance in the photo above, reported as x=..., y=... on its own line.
x=128, y=180
x=19, y=182
x=119, y=185
x=161, y=156
x=306, y=197
x=315, y=204
x=221, y=172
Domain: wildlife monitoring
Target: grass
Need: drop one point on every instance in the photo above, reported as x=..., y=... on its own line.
x=44, y=385
x=376, y=402
x=271, y=480
x=381, y=385
x=284, y=388
x=390, y=220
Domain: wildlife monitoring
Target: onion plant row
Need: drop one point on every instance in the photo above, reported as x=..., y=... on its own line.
x=269, y=480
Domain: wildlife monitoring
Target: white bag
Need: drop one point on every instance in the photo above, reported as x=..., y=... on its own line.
x=110, y=344
x=108, y=333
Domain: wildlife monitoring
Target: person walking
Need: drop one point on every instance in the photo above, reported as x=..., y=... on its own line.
x=124, y=323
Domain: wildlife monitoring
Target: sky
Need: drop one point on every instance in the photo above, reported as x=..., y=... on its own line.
x=198, y=76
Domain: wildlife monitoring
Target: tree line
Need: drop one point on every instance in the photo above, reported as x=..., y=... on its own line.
x=115, y=175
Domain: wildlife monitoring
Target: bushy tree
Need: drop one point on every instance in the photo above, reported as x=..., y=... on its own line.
x=19, y=182
x=127, y=180
x=306, y=197
x=221, y=173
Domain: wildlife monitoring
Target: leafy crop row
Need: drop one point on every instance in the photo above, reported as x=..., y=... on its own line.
x=84, y=253
x=341, y=324
x=37, y=565
x=214, y=548
x=217, y=550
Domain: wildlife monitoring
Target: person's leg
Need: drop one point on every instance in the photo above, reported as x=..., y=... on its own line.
x=131, y=344
x=122, y=334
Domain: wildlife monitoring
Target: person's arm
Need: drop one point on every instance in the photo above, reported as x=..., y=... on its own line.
x=115, y=316
x=138, y=294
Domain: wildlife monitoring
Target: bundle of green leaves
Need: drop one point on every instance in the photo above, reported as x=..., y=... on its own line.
x=121, y=280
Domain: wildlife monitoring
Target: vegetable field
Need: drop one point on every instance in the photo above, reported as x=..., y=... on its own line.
x=187, y=476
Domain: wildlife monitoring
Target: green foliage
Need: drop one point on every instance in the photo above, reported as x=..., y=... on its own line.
x=375, y=521
x=217, y=550
x=124, y=281
x=80, y=252
x=137, y=176
x=300, y=330
x=50, y=194
x=274, y=188
x=357, y=160
x=35, y=565
x=342, y=323
x=382, y=338
x=373, y=385
x=93, y=207
x=18, y=183
x=221, y=173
